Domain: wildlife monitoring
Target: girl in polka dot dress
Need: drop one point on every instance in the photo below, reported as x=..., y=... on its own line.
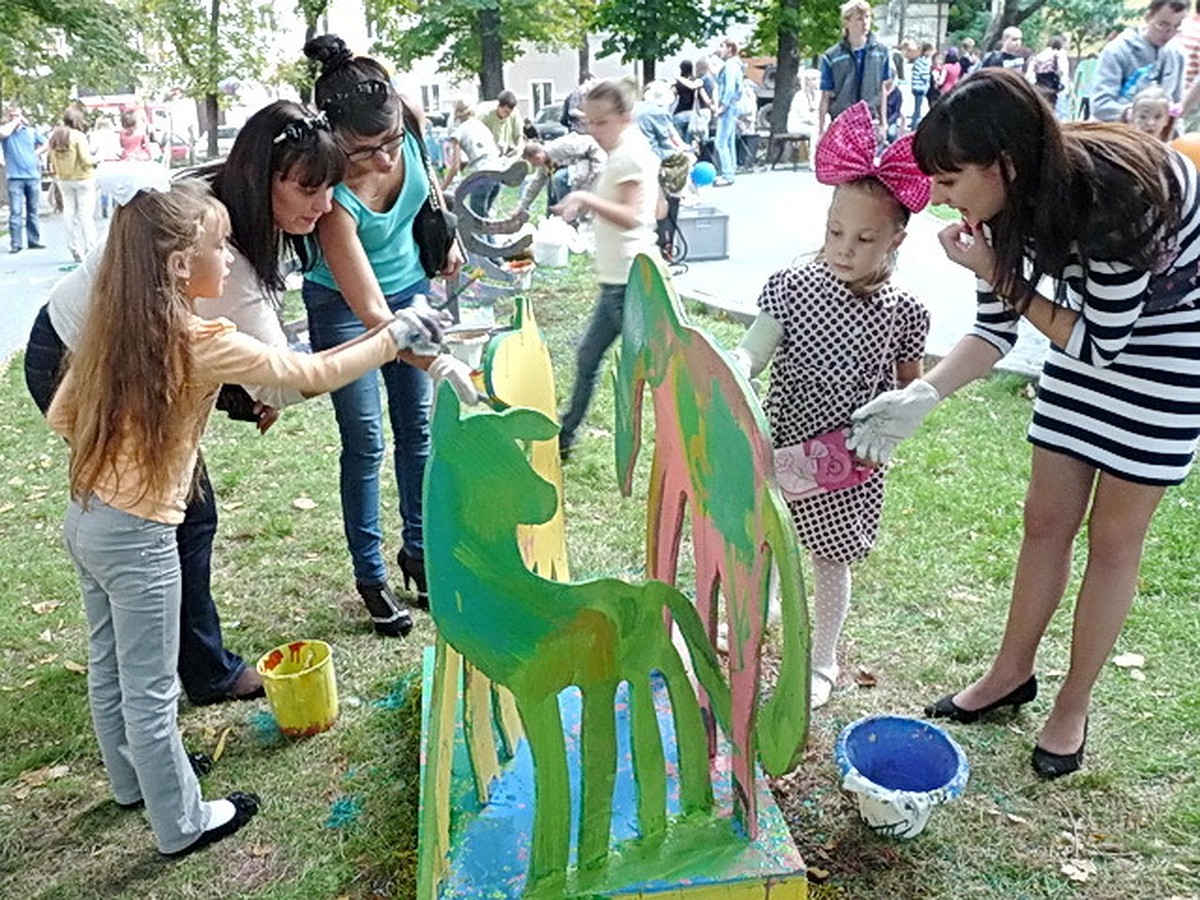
x=840, y=334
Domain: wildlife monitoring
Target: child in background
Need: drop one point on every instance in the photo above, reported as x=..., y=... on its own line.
x=135, y=142
x=138, y=391
x=840, y=333
x=1150, y=113
x=624, y=209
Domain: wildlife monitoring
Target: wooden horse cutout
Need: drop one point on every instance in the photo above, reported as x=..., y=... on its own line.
x=713, y=454
x=536, y=636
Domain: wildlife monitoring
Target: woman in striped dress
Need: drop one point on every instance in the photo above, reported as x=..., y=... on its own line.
x=1110, y=217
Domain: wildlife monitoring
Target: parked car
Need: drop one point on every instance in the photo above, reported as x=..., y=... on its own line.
x=547, y=122
x=181, y=148
x=226, y=135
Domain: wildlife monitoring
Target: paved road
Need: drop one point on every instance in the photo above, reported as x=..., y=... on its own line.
x=26, y=279
x=777, y=217
x=774, y=218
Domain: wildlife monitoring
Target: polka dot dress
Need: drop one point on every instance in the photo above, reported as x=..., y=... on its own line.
x=838, y=351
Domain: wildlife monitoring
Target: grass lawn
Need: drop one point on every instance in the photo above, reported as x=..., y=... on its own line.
x=340, y=808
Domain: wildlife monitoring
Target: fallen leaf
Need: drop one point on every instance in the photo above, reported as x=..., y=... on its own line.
x=232, y=505
x=47, y=636
x=1013, y=817
x=220, y=748
x=1137, y=674
x=865, y=678
x=1079, y=870
x=304, y=503
x=47, y=606
x=28, y=682
x=38, y=777
x=1130, y=661
x=818, y=875
x=71, y=666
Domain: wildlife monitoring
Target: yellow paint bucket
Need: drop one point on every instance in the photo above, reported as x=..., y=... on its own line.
x=301, y=687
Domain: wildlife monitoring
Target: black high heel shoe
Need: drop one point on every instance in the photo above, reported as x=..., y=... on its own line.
x=389, y=615
x=1049, y=765
x=413, y=570
x=946, y=708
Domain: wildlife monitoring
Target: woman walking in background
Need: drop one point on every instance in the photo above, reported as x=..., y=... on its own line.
x=74, y=166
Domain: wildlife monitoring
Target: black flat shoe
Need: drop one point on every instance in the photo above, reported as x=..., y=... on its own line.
x=1049, y=766
x=413, y=570
x=946, y=708
x=389, y=615
x=245, y=805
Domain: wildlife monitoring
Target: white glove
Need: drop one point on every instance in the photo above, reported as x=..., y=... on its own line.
x=411, y=330
x=458, y=373
x=878, y=426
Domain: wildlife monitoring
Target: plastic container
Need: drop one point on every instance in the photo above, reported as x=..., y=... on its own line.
x=551, y=254
x=467, y=346
x=899, y=769
x=706, y=231
x=301, y=687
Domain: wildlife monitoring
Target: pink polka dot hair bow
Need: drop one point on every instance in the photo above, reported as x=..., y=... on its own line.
x=846, y=152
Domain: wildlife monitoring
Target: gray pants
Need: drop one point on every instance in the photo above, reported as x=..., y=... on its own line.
x=129, y=572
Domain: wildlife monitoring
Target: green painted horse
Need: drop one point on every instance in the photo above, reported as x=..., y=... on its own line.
x=713, y=456
x=536, y=637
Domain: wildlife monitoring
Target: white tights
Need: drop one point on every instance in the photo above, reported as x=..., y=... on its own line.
x=831, y=602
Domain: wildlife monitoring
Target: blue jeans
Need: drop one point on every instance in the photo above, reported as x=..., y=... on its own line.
x=206, y=668
x=24, y=194
x=359, y=411
x=603, y=329
x=916, y=113
x=727, y=142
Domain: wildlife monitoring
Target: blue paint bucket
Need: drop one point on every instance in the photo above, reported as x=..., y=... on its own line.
x=899, y=769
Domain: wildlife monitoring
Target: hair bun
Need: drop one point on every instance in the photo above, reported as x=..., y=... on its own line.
x=329, y=50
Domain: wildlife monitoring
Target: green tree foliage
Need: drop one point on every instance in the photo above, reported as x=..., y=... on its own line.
x=49, y=48
x=650, y=31
x=472, y=39
x=794, y=32
x=1086, y=22
x=206, y=42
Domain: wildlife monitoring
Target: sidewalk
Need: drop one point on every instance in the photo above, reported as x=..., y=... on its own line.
x=778, y=217
x=26, y=278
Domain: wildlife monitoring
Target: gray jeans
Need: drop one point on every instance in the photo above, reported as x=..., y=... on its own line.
x=129, y=572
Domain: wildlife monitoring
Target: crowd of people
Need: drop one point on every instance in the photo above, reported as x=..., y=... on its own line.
x=176, y=312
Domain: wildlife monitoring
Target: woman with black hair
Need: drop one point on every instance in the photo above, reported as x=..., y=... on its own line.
x=1111, y=216
x=368, y=268
x=276, y=183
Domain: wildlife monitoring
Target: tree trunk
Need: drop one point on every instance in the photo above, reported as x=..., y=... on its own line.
x=647, y=71
x=491, y=72
x=585, y=58
x=787, y=68
x=1011, y=13
x=305, y=90
x=210, y=96
x=213, y=114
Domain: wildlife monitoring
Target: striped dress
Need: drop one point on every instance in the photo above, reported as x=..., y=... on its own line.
x=1124, y=394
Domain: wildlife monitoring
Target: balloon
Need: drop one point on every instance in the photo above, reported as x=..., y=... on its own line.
x=706, y=173
x=1189, y=146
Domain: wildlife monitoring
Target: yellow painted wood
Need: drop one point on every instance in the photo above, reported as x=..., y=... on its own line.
x=519, y=373
x=508, y=720
x=790, y=888
x=433, y=854
x=477, y=727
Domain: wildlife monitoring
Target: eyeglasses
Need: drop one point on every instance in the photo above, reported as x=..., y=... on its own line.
x=301, y=131
x=389, y=148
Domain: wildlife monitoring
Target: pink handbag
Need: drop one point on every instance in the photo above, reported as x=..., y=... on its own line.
x=818, y=465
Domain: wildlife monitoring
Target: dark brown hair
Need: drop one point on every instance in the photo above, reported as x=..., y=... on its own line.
x=1102, y=190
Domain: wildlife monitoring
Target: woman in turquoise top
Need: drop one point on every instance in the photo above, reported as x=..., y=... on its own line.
x=368, y=267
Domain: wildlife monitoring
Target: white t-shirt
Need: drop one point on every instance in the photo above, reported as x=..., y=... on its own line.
x=478, y=145
x=631, y=160
x=246, y=303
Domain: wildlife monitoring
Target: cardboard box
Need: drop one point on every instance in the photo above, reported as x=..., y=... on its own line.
x=705, y=230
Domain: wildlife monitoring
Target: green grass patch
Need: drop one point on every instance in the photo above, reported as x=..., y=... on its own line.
x=340, y=808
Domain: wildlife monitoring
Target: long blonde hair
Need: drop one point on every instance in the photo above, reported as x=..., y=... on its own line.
x=134, y=359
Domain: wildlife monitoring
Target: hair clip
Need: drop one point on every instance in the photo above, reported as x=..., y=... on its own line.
x=302, y=129
x=372, y=91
